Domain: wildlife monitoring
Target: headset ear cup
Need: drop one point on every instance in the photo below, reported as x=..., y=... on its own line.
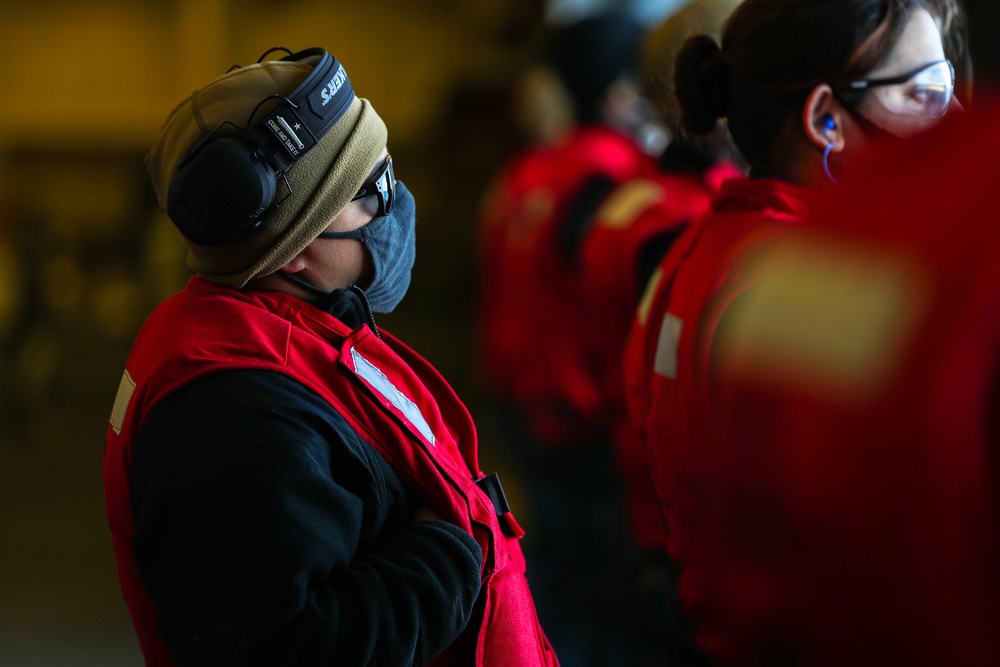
x=221, y=192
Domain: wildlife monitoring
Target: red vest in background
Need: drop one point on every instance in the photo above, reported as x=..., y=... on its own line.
x=532, y=320
x=862, y=418
x=631, y=220
x=384, y=390
x=667, y=359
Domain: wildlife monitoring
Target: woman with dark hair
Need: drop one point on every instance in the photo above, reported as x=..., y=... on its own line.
x=877, y=476
x=792, y=76
x=805, y=87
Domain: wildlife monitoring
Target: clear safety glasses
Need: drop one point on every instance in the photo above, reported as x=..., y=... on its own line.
x=926, y=91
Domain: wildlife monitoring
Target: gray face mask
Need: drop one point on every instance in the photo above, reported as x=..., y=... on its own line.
x=391, y=242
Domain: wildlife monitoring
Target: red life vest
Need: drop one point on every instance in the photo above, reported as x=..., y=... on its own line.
x=384, y=390
x=634, y=215
x=529, y=285
x=864, y=430
x=668, y=355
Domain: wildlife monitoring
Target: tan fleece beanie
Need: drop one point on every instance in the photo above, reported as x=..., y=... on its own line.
x=322, y=182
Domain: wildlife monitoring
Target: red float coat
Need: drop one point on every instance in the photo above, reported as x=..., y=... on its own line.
x=534, y=324
x=667, y=359
x=865, y=425
x=641, y=215
x=417, y=424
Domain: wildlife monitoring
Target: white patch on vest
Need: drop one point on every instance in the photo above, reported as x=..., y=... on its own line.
x=381, y=384
x=125, y=390
x=665, y=363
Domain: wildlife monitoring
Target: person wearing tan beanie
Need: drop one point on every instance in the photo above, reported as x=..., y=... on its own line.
x=284, y=482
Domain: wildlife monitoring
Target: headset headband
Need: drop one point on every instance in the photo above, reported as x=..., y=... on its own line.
x=226, y=185
x=301, y=119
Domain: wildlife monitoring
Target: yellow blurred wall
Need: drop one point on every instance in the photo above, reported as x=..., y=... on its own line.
x=106, y=73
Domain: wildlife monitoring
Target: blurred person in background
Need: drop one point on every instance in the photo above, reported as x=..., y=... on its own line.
x=536, y=334
x=859, y=416
x=806, y=88
x=864, y=374
x=621, y=248
x=541, y=108
x=285, y=483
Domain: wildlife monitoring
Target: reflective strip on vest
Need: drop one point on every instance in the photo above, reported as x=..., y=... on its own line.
x=371, y=374
x=124, y=396
x=665, y=363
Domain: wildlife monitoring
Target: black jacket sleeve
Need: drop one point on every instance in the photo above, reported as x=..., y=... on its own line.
x=268, y=532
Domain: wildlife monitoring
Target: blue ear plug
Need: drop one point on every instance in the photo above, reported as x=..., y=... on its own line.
x=828, y=125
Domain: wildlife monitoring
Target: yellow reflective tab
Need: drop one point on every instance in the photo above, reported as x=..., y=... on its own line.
x=822, y=317
x=652, y=287
x=126, y=388
x=627, y=202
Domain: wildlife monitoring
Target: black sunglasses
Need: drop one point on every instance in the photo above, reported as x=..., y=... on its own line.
x=383, y=184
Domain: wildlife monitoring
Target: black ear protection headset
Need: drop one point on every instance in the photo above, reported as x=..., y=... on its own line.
x=228, y=182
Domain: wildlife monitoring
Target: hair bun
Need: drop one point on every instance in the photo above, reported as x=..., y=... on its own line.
x=701, y=84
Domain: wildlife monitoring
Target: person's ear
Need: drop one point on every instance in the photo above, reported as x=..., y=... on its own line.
x=297, y=264
x=822, y=119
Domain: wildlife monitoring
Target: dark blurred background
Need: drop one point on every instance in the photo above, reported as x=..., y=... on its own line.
x=85, y=255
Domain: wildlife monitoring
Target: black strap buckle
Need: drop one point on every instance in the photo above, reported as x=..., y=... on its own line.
x=490, y=485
